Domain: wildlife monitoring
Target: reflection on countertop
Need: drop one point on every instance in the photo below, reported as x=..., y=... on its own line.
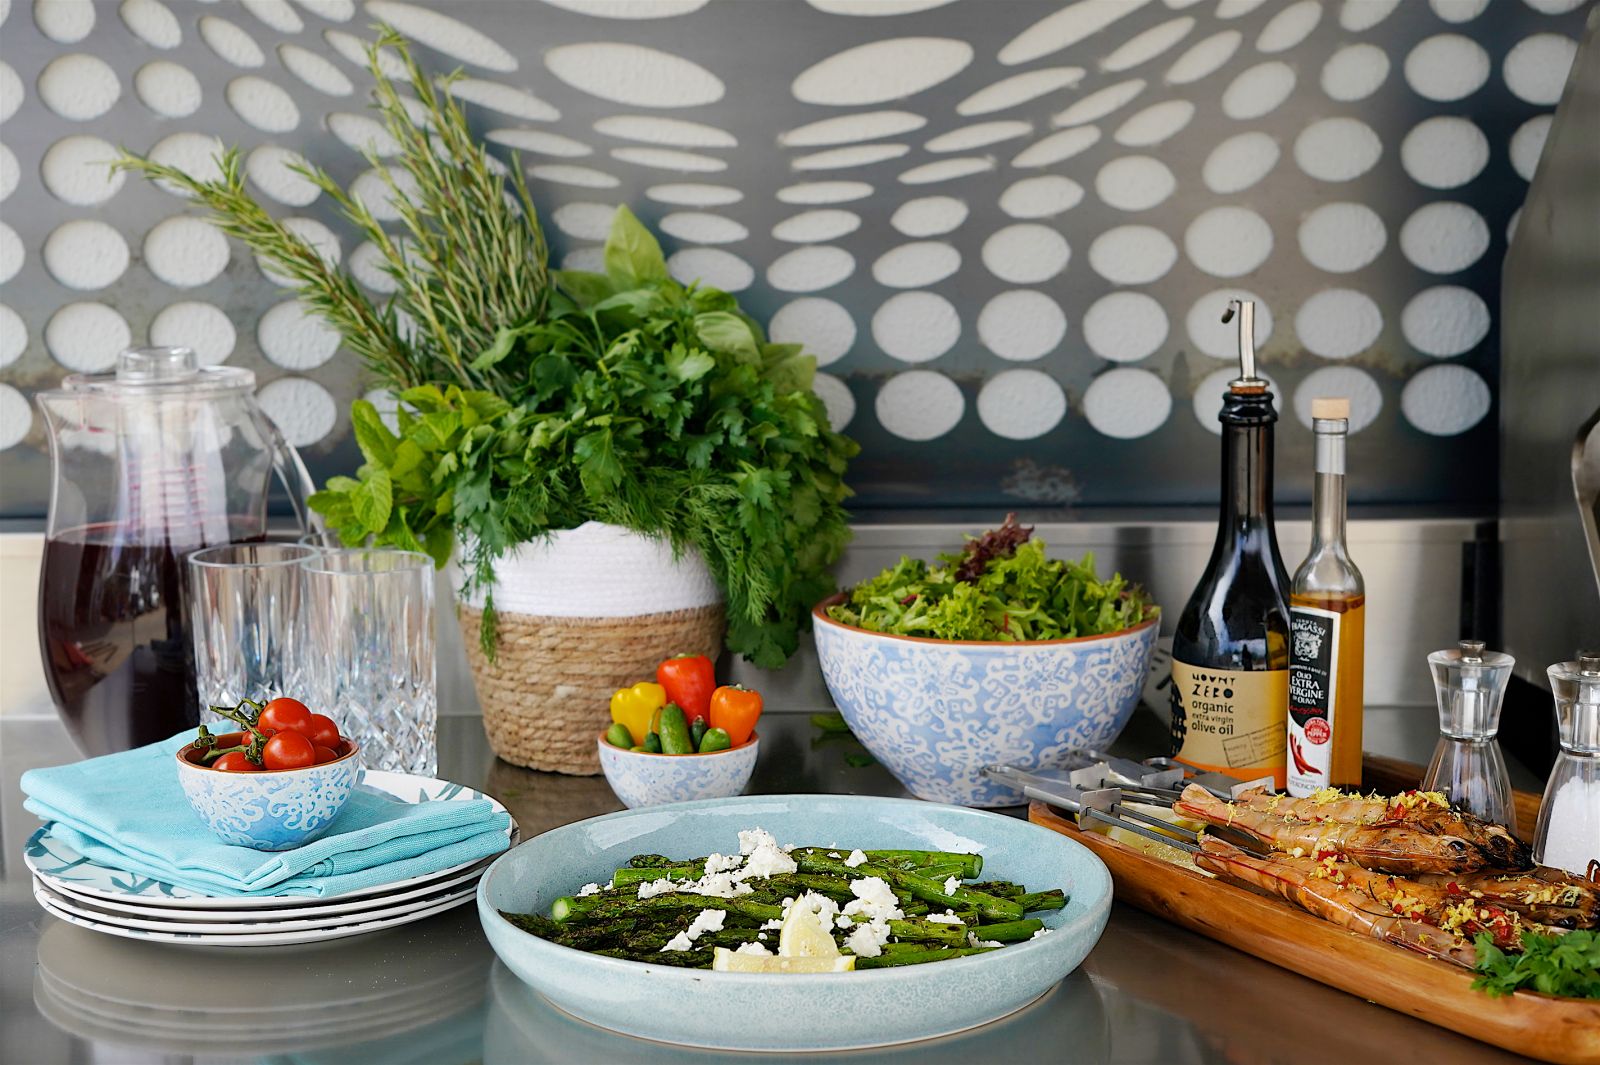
x=432, y=993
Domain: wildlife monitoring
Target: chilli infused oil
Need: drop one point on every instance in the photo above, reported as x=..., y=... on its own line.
x=1327, y=628
x=1230, y=653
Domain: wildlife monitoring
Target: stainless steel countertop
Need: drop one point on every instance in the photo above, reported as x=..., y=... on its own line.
x=433, y=992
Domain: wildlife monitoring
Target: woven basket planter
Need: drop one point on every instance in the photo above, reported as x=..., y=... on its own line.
x=582, y=614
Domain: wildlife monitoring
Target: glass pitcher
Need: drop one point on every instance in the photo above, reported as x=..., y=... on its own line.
x=148, y=464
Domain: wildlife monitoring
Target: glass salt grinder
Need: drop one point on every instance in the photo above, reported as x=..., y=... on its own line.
x=1569, y=819
x=1467, y=766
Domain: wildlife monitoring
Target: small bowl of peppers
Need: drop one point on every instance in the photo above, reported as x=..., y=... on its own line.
x=680, y=737
x=276, y=783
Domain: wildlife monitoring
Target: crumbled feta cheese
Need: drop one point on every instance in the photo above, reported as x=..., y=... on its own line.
x=868, y=939
x=776, y=922
x=705, y=921
x=856, y=858
x=753, y=838
x=767, y=859
x=947, y=917
x=989, y=943
x=951, y=884
x=754, y=948
x=835, y=854
x=761, y=936
x=651, y=888
x=589, y=889
x=843, y=921
x=715, y=885
x=1040, y=932
x=723, y=863
x=874, y=899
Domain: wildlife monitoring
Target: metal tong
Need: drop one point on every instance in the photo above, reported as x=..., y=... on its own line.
x=1097, y=794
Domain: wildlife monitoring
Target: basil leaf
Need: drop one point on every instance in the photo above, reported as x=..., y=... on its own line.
x=633, y=257
x=726, y=332
x=584, y=287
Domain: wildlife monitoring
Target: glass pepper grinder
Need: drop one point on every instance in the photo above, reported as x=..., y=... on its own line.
x=1467, y=765
x=1569, y=820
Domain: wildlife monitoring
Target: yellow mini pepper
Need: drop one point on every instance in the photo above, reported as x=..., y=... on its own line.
x=634, y=707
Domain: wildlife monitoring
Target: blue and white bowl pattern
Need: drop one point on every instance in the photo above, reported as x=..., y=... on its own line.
x=641, y=779
x=936, y=712
x=270, y=811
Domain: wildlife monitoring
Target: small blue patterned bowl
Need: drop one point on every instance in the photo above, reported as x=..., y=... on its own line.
x=641, y=779
x=937, y=711
x=275, y=809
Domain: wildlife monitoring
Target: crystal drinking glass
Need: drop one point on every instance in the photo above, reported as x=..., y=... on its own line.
x=245, y=608
x=369, y=628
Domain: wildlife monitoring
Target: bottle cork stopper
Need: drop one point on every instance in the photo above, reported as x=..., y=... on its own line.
x=1330, y=409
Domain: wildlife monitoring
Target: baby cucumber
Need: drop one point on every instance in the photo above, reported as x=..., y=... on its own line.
x=619, y=736
x=716, y=739
x=697, y=732
x=652, y=742
x=674, y=731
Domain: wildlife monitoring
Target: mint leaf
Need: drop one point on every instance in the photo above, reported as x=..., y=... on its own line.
x=376, y=442
x=372, y=502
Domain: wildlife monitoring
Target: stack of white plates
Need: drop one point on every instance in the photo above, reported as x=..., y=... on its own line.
x=104, y=899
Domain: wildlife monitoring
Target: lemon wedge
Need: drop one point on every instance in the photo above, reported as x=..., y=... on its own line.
x=724, y=960
x=807, y=931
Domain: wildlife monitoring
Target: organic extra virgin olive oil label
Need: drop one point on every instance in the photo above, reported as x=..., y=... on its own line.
x=1230, y=721
x=1313, y=673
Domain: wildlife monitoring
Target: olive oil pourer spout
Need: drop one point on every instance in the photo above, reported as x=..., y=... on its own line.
x=1247, y=381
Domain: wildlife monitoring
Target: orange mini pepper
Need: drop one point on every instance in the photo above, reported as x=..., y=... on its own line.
x=735, y=710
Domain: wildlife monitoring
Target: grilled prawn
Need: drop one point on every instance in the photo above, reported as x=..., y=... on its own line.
x=1406, y=837
x=1381, y=906
x=1549, y=896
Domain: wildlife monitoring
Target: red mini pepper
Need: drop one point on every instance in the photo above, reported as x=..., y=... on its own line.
x=735, y=709
x=689, y=680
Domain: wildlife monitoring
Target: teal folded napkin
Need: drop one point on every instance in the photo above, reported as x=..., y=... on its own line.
x=128, y=811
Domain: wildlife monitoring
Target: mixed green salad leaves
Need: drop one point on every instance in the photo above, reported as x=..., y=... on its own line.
x=999, y=588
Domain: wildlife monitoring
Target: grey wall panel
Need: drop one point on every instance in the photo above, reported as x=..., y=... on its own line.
x=1354, y=165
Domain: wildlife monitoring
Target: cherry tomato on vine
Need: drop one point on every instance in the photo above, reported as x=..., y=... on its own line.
x=288, y=750
x=283, y=714
x=321, y=731
x=235, y=762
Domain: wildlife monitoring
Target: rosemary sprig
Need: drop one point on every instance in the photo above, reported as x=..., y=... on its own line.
x=470, y=262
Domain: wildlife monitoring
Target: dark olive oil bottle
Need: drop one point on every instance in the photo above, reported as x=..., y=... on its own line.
x=1230, y=654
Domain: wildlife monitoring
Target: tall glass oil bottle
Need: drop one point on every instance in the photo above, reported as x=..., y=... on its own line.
x=1230, y=654
x=1327, y=628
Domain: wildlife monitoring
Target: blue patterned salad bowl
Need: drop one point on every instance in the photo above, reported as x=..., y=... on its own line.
x=935, y=712
x=804, y=1013
x=274, y=809
x=643, y=779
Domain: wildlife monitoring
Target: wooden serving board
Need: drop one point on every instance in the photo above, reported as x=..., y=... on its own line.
x=1558, y=1030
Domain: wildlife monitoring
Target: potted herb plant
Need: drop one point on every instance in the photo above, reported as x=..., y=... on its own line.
x=622, y=466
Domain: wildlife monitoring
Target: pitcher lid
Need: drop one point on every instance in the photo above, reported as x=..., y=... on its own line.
x=147, y=370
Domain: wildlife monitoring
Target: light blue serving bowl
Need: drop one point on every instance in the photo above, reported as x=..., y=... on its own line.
x=643, y=779
x=766, y=1011
x=274, y=809
x=935, y=712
